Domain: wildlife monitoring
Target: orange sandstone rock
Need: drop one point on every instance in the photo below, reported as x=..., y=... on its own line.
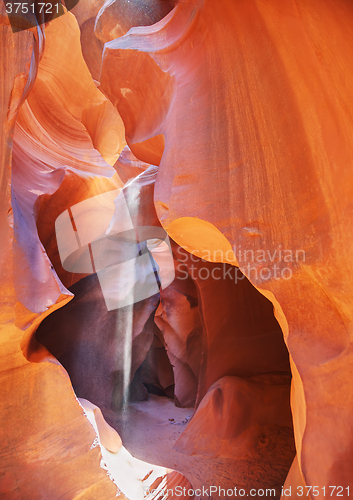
x=44, y=434
x=116, y=17
x=90, y=342
x=178, y=318
x=252, y=99
x=241, y=336
x=232, y=415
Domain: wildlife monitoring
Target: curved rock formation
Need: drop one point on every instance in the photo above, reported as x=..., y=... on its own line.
x=253, y=101
x=232, y=415
x=135, y=479
x=241, y=336
x=178, y=318
x=90, y=342
x=42, y=426
x=116, y=17
x=44, y=434
x=237, y=119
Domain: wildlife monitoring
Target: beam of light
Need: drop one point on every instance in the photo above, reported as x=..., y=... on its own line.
x=133, y=477
x=100, y=235
x=128, y=319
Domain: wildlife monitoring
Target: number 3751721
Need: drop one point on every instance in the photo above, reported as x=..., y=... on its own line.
x=330, y=491
x=25, y=8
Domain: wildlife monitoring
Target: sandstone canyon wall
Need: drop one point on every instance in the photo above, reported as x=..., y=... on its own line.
x=227, y=128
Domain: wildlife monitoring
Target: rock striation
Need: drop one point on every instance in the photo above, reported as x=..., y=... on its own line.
x=226, y=128
x=253, y=104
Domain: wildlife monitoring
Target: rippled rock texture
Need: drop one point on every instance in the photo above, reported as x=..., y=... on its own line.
x=263, y=153
x=226, y=126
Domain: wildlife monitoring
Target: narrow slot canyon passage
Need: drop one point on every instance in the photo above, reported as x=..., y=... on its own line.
x=176, y=249
x=207, y=346
x=221, y=420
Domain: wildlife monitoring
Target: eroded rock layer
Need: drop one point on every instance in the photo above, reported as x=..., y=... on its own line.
x=44, y=433
x=237, y=119
x=253, y=103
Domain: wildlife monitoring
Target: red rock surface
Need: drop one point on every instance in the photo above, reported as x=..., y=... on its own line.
x=254, y=108
x=178, y=318
x=116, y=17
x=241, y=336
x=242, y=109
x=44, y=433
x=233, y=414
x=89, y=342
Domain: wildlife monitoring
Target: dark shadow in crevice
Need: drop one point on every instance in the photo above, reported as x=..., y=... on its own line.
x=88, y=340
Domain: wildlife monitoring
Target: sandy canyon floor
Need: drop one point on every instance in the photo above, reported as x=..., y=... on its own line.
x=149, y=430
